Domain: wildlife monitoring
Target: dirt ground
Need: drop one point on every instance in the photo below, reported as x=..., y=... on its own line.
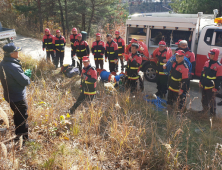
x=33, y=47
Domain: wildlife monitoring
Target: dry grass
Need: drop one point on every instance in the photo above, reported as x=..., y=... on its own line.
x=104, y=135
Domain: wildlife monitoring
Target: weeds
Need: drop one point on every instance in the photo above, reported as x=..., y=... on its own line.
x=115, y=131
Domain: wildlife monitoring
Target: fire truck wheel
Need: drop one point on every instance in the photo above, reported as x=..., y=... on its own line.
x=150, y=73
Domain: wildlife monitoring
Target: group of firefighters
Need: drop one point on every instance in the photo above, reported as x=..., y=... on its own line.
x=176, y=82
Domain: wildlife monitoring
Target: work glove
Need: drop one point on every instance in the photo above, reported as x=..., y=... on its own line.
x=116, y=61
x=106, y=60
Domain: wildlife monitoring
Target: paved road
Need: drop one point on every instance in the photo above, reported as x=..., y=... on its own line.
x=33, y=47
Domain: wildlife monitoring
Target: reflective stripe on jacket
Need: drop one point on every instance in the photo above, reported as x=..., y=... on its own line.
x=89, y=83
x=98, y=49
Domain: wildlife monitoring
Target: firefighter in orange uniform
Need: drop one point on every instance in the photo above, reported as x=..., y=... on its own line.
x=81, y=48
x=178, y=81
x=47, y=44
x=88, y=84
x=111, y=52
x=98, y=50
x=133, y=63
x=73, y=39
x=162, y=77
x=121, y=48
x=210, y=79
x=59, y=43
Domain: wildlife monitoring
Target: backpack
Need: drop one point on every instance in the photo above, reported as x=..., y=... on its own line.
x=173, y=59
x=69, y=71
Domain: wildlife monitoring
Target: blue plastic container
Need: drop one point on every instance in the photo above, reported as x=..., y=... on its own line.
x=104, y=75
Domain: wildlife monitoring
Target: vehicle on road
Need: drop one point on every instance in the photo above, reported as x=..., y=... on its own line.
x=7, y=34
x=202, y=32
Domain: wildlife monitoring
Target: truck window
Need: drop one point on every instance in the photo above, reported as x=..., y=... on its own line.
x=137, y=33
x=170, y=37
x=208, y=36
x=159, y=34
x=218, y=39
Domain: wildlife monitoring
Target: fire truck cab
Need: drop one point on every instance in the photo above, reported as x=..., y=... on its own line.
x=202, y=32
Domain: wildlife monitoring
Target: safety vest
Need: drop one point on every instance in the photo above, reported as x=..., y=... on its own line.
x=47, y=42
x=211, y=74
x=98, y=49
x=161, y=55
x=73, y=39
x=111, y=51
x=81, y=49
x=121, y=46
x=89, y=83
x=59, y=43
x=133, y=66
x=178, y=78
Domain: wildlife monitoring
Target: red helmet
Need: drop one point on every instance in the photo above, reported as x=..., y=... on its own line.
x=177, y=43
x=85, y=58
x=47, y=30
x=162, y=43
x=74, y=29
x=180, y=52
x=215, y=52
x=79, y=35
x=117, y=32
x=98, y=35
x=57, y=31
x=134, y=40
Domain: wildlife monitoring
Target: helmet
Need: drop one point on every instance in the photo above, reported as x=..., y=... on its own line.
x=85, y=58
x=177, y=43
x=162, y=43
x=215, y=52
x=135, y=45
x=98, y=35
x=117, y=33
x=47, y=30
x=74, y=29
x=79, y=35
x=134, y=40
x=180, y=52
x=57, y=31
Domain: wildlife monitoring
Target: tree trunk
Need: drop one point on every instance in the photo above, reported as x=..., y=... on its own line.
x=92, y=15
x=67, y=22
x=83, y=21
x=62, y=18
x=40, y=15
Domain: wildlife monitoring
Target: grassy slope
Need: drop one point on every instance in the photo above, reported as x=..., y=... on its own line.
x=103, y=136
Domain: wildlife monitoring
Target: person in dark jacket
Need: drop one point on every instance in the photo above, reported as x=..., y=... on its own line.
x=14, y=83
x=59, y=43
x=111, y=52
x=134, y=62
x=81, y=48
x=121, y=48
x=98, y=50
x=210, y=79
x=73, y=39
x=47, y=44
x=88, y=84
x=178, y=81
